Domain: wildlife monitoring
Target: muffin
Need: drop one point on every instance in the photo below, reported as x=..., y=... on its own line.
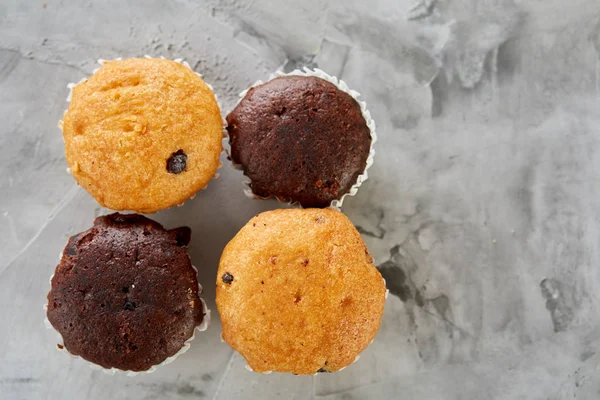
x=297, y=292
x=125, y=294
x=302, y=139
x=143, y=134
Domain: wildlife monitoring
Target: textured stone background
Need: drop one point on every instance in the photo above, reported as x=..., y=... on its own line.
x=482, y=209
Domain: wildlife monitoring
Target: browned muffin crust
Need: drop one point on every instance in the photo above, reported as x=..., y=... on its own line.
x=143, y=134
x=300, y=139
x=297, y=292
x=125, y=294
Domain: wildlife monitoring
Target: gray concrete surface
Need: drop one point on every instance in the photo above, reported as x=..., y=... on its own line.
x=482, y=209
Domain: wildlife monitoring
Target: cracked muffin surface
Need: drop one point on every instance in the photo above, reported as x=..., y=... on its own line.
x=297, y=292
x=125, y=294
x=143, y=134
x=300, y=139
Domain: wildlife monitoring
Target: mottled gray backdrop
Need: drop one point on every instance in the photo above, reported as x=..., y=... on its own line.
x=482, y=209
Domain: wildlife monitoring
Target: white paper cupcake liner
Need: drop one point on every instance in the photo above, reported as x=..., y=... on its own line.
x=112, y=371
x=387, y=291
x=101, y=61
x=340, y=84
x=249, y=368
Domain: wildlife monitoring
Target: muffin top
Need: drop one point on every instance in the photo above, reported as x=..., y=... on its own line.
x=125, y=294
x=143, y=134
x=297, y=292
x=299, y=138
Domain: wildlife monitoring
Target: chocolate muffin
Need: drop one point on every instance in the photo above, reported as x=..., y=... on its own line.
x=125, y=294
x=300, y=139
x=297, y=292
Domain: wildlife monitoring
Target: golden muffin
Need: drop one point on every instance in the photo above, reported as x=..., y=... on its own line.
x=143, y=134
x=297, y=292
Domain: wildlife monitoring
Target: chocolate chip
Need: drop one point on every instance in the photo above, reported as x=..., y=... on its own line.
x=321, y=370
x=183, y=235
x=71, y=250
x=227, y=278
x=129, y=306
x=118, y=218
x=177, y=162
